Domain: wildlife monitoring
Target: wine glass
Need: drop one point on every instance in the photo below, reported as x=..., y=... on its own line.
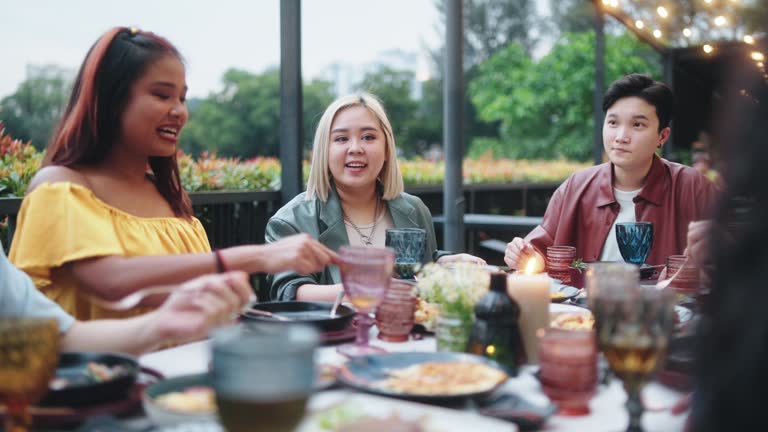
x=366, y=273
x=635, y=240
x=408, y=244
x=29, y=353
x=633, y=324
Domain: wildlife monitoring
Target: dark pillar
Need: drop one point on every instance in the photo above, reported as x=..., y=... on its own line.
x=453, y=96
x=668, y=60
x=597, y=97
x=290, y=99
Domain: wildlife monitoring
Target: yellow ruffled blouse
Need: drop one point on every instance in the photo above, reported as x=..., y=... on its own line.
x=64, y=222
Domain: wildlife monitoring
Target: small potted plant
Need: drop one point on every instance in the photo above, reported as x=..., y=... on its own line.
x=576, y=270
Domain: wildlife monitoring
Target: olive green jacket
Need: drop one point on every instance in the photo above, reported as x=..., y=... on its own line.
x=324, y=221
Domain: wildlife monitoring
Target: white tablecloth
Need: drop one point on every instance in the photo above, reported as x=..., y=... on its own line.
x=607, y=407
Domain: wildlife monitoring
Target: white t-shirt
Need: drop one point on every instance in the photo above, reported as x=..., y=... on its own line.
x=20, y=298
x=626, y=214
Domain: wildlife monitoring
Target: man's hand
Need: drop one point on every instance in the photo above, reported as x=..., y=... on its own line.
x=519, y=252
x=698, y=248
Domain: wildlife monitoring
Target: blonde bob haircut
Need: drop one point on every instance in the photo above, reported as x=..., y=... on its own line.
x=319, y=183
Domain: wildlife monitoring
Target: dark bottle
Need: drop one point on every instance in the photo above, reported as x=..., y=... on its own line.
x=496, y=333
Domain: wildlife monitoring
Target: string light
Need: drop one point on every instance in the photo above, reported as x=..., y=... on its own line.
x=708, y=1
x=760, y=65
x=720, y=21
x=639, y=24
x=758, y=56
x=657, y=34
x=707, y=48
x=687, y=32
x=662, y=11
x=749, y=39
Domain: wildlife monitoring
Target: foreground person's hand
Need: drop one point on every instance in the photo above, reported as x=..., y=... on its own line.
x=200, y=304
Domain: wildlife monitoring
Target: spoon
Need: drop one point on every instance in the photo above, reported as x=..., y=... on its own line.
x=660, y=285
x=336, y=303
x=267, y=314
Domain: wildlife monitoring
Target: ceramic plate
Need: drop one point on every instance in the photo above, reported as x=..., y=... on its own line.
x=365, y=373
x=331, y=410
x=559, y=292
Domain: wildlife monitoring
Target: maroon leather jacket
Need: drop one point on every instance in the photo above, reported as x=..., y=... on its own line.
x=582, y=210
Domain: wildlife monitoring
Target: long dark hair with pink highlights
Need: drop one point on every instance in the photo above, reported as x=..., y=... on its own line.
x=91, y=121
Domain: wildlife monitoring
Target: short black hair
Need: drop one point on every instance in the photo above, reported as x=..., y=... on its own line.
x=643, y=86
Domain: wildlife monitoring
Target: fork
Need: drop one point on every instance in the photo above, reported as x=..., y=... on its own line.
x=132, y=300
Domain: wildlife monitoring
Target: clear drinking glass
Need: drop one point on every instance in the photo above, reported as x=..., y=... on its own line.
x=263, y=374
x=633, y=324
x=606, y=275
x=366, y=273
x=29, y=353
x=408, y=244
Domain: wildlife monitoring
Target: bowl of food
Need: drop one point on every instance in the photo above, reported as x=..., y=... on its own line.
x=184, y=398
x=90, y=378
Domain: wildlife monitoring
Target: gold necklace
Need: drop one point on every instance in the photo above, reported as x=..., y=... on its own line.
x=365, y=240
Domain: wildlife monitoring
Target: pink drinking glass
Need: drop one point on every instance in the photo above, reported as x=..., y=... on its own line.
x=568, y=369
x=366, y=273
x=559, y=259
x=394, y=316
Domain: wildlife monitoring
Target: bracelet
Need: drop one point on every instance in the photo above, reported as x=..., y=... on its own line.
x=220, y=266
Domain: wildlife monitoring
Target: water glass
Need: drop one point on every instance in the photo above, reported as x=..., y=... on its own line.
x=408, y=244
x=606, y=276
x=635, y=240
x=29, y=352
x=568, y=368
x=263, y=374
x=559, y=259
x=394, y=316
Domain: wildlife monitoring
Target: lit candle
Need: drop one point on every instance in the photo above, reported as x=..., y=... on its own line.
x=531, y=292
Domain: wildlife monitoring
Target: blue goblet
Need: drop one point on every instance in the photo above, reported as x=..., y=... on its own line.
x=408, y=244
x=635, y=240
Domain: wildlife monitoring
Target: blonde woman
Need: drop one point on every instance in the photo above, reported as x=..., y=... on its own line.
x=354, y=194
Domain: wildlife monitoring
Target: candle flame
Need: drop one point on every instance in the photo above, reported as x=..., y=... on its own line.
x=530, y=268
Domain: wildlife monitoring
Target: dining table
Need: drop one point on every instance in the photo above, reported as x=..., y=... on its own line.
x=607, y=411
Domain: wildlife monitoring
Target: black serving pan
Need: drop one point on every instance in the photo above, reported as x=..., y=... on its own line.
x=85, y=390
x=317, y=314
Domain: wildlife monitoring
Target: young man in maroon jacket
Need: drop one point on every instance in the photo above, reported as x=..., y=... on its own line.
x=635, y=185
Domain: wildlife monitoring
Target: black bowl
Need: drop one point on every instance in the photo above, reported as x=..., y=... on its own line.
x=314, y=313
x=83, y=390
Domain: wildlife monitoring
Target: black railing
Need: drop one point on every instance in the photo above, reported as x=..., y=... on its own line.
x=236, y=218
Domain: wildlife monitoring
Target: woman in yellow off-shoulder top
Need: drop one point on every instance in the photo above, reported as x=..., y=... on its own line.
x=107, y=215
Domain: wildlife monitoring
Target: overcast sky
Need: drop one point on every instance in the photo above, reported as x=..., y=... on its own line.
x=212, y=35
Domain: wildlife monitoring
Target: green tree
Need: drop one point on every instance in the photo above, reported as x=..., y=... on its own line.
x=545, y=107
x=393, y=87
x=31, y=113
x=489, y=26
x=243, y=119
